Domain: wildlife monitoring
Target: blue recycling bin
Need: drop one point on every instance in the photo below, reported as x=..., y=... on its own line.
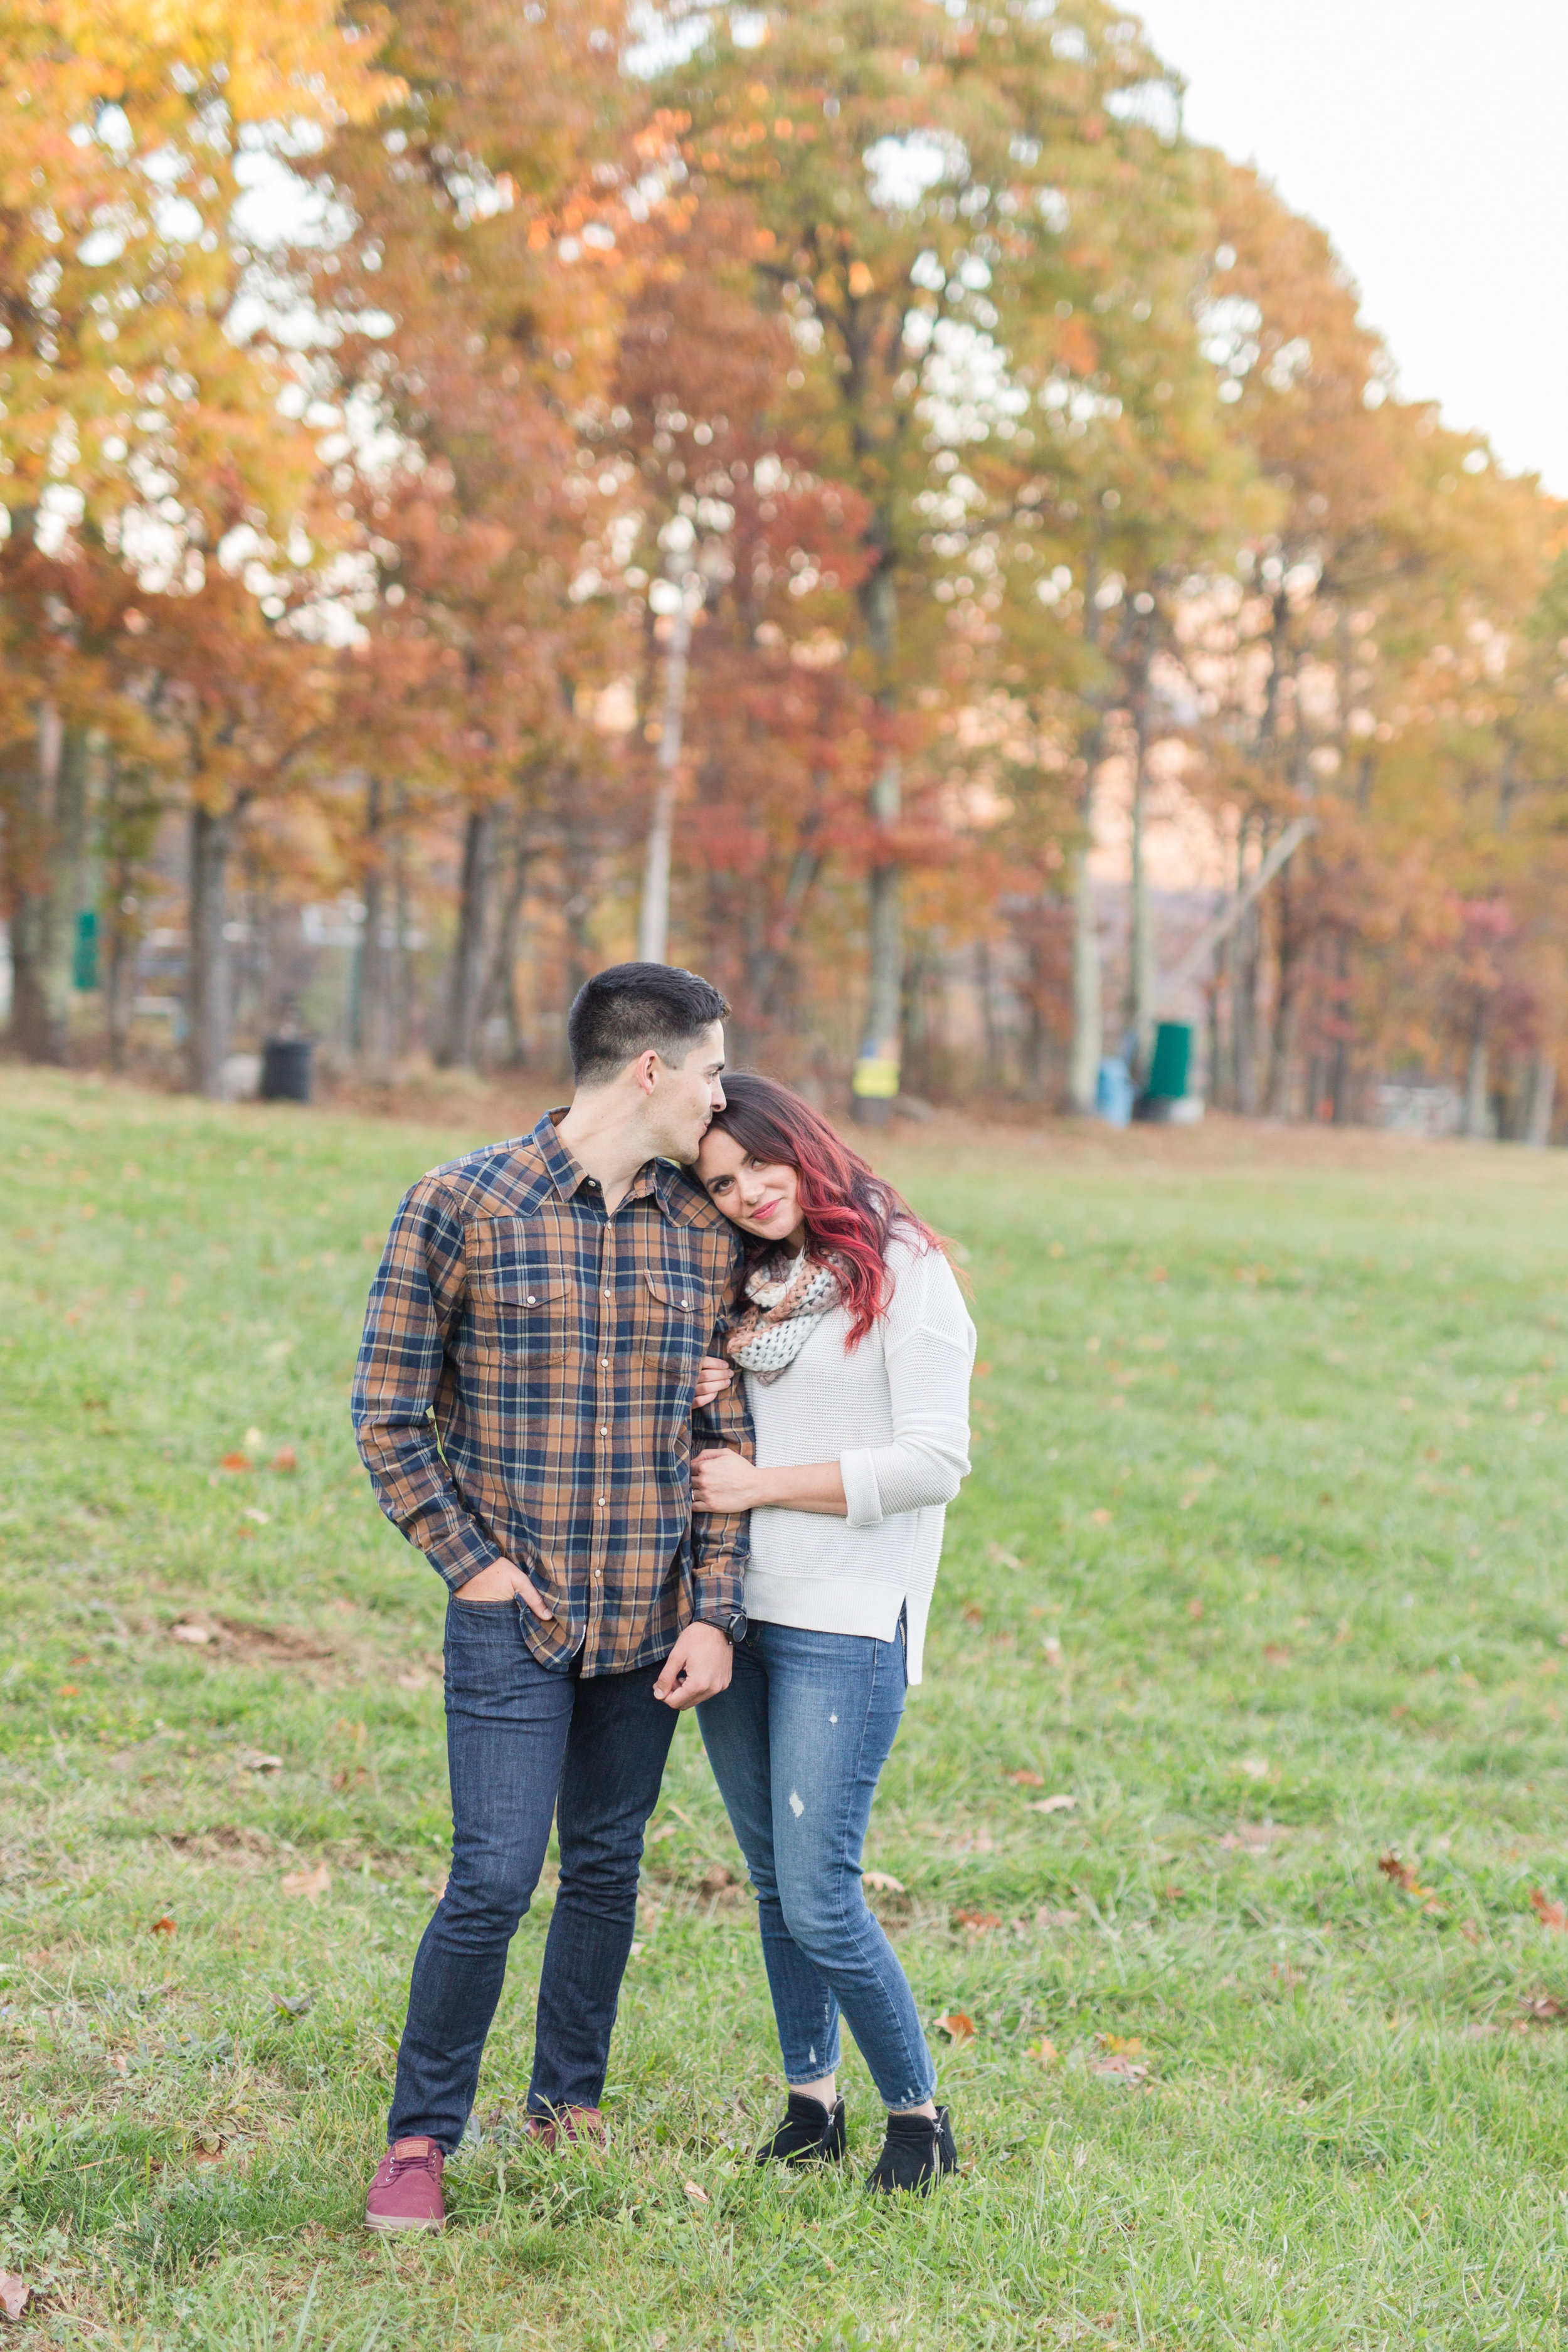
x=1113, y=1091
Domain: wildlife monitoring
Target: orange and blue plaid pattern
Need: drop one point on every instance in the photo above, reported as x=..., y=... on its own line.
x=524, y=1391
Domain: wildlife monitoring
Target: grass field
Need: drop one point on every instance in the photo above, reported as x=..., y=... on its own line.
x=1260, y=1564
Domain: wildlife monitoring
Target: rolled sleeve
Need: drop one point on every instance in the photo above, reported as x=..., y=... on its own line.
x=858, y=1471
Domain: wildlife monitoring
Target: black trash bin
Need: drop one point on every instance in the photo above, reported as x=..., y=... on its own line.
x=286, y=1069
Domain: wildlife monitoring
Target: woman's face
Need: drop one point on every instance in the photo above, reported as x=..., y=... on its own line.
x=761, y=1196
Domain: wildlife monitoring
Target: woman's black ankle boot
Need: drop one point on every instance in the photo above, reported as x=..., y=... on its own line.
x=917, y=2152
x=809, y=2133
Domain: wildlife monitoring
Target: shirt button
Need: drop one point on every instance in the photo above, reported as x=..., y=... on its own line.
x=604, y=1429
x=606, y=1293
x=601, y=1502
x=605, y=1363
x=599, y=1576
x=685, y=1302
x=530, y=1302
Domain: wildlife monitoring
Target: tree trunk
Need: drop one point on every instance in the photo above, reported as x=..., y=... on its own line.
x=457, y=1046
x=374, y=1024
x=50, y=857
x=208, y=993
x=653, y=919
x=1141, y=970
x=398, y=988
x=1542, y=1098
x=1088, y=1012
x=877, y=1067
x=1247, y=973
x=130, y=823
x=1477, y=1063
x=500, y=981
x=1283, y=1037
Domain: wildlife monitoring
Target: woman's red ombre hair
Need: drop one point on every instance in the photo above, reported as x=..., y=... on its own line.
x=851, y=1211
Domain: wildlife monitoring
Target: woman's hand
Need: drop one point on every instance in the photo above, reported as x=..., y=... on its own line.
x=712, y=1379
x=722, y=1480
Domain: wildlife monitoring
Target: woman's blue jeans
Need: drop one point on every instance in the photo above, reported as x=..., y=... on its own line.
x=798, y=1743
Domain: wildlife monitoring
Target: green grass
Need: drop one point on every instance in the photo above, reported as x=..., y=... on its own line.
x=1261, y=1563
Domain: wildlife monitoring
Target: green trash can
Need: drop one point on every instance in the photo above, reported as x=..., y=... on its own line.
x=1171, y=1062
x=84, y=951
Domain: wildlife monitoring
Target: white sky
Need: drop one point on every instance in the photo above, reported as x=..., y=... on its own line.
x=1427, y=137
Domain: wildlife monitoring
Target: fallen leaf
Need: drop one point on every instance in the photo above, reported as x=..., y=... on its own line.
x=1103, y=1517
x=311, y=1885
x=252, y=1441
x=1543, y=2008
x=253, y=1759
x=1045, y=2050
x=1194, y=1609
x=972, y=1616
x=881, y=1881
x=292, y=2005
x=285, y=1459
x=1249, y=1837
x=1478, y=2030
x=716, y=1878
x=1053, y=1650
x=164, y=1926
x=956, y=2026
x=1254, y=1768
x=1025, y=1780
x=982, y=1370
x=68, y=1690
x=1120, y=2069
x=1120, y=2045
x=262, y=1518
x=234, y=1462
x=978, y=1920
x=1047, y=1917
x=699, y=2195
x=1551, y=1914
x=1470, y=1932
x=414, y=1680
x=1404, y=1877
x=1059, y=1803
x=14, y=2295
x=1275, y=1655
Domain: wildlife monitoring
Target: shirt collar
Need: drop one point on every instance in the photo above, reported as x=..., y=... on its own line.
x=655, y=1176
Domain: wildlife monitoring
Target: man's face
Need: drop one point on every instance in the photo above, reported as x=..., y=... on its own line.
x=688, y=1094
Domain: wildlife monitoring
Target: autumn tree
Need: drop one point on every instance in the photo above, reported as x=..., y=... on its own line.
x=140, y=424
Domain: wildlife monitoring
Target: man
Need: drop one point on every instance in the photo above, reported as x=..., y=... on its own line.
x=524, y=1405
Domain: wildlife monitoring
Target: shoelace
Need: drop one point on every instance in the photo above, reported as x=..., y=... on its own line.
x=402, y=2163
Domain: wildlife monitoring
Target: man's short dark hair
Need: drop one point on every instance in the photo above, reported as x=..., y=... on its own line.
x=634, y=1008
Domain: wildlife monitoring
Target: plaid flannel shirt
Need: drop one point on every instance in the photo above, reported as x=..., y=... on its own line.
x=525, y=1390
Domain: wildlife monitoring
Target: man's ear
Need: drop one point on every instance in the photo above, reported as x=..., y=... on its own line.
x=644, y=1070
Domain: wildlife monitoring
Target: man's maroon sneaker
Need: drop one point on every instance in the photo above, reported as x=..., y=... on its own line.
x=566, y=2125
x=406, y=2191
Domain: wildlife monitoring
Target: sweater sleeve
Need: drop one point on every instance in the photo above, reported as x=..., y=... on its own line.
x=929, y=1346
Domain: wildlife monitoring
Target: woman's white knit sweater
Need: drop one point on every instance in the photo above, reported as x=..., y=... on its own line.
x=894, y=1413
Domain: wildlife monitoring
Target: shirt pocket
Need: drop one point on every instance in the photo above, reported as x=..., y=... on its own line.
x=674, y=1317
x=522, y=1303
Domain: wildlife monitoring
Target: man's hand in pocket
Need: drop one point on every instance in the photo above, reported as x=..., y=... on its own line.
x=503, y=1581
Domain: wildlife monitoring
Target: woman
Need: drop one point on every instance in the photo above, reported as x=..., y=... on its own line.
x=856, y=1347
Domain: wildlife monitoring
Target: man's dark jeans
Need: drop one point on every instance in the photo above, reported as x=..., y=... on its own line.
x=523, y=1739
